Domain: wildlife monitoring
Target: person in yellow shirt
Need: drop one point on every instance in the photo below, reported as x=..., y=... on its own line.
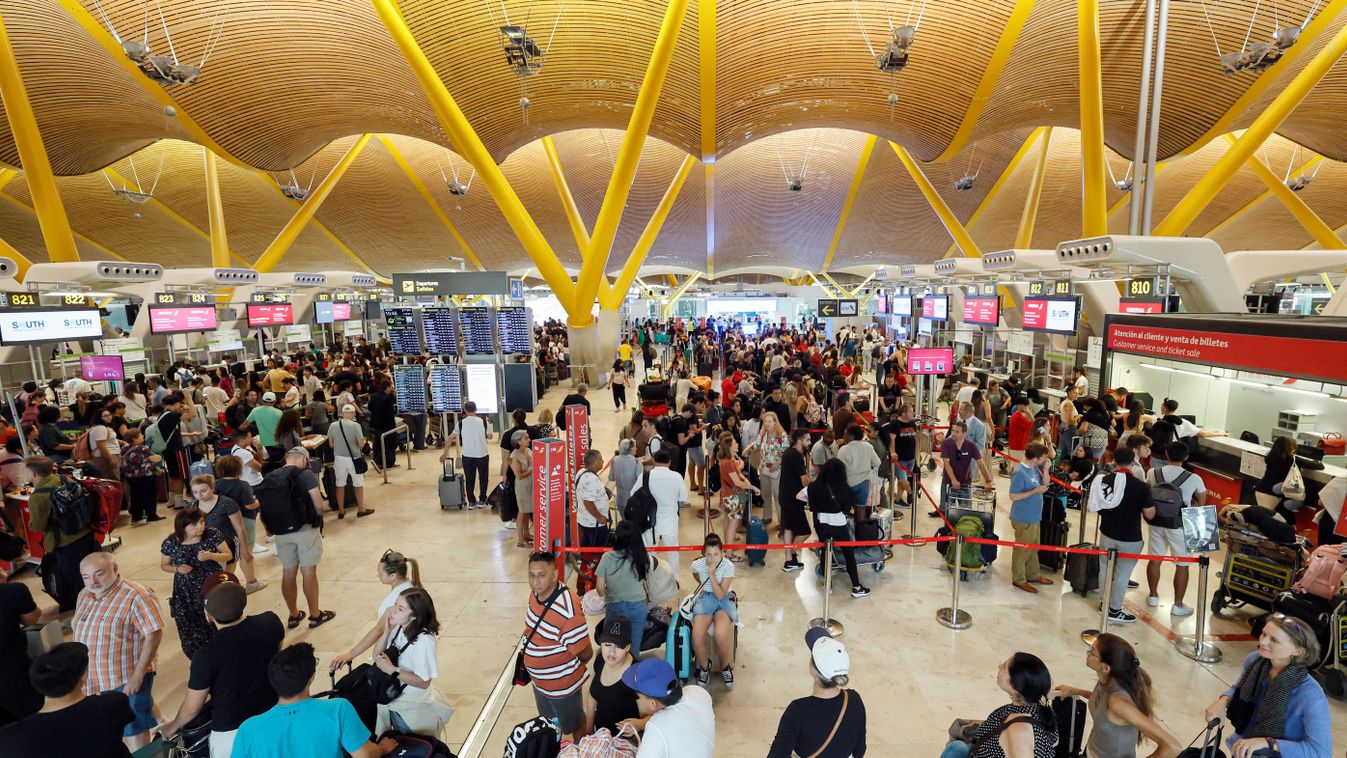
x=276, y=376
x=624, y=354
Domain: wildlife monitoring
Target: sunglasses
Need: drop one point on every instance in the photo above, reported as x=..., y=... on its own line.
x=1289, y=621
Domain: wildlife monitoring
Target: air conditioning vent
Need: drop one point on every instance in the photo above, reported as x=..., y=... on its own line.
x=310, y=280
x=8, y=268
x=999, y=261
x=1094, y=249
x=363, y=280
x=129, y=272
x=235, y=276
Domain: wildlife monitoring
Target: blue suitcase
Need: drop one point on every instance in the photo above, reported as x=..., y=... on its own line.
x=678, y=646
x=757, y=535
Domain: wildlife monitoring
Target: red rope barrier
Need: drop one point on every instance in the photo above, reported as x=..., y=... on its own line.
x=1067, y=485
x=777, y=546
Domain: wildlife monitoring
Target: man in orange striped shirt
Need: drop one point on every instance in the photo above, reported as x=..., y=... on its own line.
x=556, y=646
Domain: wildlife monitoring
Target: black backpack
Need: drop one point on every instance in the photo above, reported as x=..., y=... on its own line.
x=285, y=508
x=664, y=428
x=72, y=509
x=1167, y=496
x=641, y=506
x=713, y=476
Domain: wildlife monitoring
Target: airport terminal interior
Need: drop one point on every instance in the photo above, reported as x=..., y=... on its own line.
x=1079, y=224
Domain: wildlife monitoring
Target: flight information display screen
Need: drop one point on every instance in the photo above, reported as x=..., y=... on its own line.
x=404, y=333
x=441, y=330
x=446, y=388
x=479, y=330
x=409, y=386
x=516, y=330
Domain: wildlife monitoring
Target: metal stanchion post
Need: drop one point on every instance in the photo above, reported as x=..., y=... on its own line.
x=833, y=626
x=706, y=514
x=952, y=617
x=1196, y=647
x=1090, y=635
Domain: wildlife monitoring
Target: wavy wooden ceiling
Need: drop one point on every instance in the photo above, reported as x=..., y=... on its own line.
x=289, y=84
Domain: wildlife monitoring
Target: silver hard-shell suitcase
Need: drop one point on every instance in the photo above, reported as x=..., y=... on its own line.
x=453, y=492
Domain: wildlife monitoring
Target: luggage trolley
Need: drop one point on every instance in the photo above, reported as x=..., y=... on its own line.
x=1256, y=569
x=928, y=442
x=879, y=527
x=974, y=500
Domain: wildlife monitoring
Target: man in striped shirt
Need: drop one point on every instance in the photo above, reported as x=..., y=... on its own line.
x=121, y=623
x=556, y=647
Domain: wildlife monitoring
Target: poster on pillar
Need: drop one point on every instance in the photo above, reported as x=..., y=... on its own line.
x=577, y=435
x=549, y=492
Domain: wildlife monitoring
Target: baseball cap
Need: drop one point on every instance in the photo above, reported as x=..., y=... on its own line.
x=615, y=630
x=269, y=397
x=830, y=656
x=226, y=601
x=348, y=408
x=653, y=677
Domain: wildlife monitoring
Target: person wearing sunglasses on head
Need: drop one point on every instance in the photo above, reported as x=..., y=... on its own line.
x=399, y=573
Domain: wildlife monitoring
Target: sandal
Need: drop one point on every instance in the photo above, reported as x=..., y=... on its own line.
x=342, y=514
x=322, y=618
x=734, y=558
x=293, y=621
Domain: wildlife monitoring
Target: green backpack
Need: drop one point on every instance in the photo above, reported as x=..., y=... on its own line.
x=969, y=527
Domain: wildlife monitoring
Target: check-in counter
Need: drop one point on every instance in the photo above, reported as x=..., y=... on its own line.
x=1232, y=468
x=1052, y=398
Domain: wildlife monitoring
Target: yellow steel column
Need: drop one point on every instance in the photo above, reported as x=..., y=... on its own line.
x=614, y=297
x=421, y=189
x=987, y=199
x=469, y=145
x=1025, y=236
x=6, y=176
x=706, y=48
x=1322, y=232
x=567, y=199
x=624, y=170
x=826, y=289
x=51, y=216
x=219, y=242
x=1247, y=145
x=1093, y=169
x=866, y=151
x=956, y=230
x=296, y=224
x=678, y=294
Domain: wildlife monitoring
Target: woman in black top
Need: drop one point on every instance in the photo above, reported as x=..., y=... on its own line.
x=1279, y=460
x=382, y=418
x=175, y=456
x=831, y=501
x=794, y=477
x=830, y=723
x=1025, y=727
x=611, y=701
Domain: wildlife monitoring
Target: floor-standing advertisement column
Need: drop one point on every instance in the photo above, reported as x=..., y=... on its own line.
x=549, y=494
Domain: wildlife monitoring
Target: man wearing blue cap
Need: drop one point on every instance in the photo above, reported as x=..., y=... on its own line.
x=679, y=720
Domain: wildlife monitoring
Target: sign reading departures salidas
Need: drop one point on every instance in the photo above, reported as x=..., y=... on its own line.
x=433, y=283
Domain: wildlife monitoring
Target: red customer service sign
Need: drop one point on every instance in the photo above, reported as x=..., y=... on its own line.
x=1315, y=359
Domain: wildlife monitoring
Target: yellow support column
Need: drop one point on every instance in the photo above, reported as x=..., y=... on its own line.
x=1093, y=169
x=430, y=201
x=866, y=150
x=1322, y=232
x=470, y=146
x=706, y=48
x=1025, y=236
x=647, y=240
x=219, y=241
x=6, y=176
x=1197, y=199
x=678, y=294
x=624, y=170
x=296, y=224
x=51, y=215
x=956, y=230
x=567, y=199
x=826, y=289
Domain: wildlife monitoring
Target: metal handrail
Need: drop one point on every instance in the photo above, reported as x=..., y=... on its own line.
x=383, y=448
x=485, y=724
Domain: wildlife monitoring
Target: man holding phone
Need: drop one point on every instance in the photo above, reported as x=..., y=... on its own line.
x=1027, y=486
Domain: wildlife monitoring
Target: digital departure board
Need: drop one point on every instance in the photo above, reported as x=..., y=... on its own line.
x=446, y=388
x=516, y=330
x=478, y=331
x=441, y=330
x=409, y=386
x=404, y=331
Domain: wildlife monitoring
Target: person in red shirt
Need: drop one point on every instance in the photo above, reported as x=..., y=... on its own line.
x=1020, y=425
x=728, y=391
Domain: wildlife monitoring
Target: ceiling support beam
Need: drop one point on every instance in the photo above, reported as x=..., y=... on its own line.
x=1307, y=218
x=1295, y=92
x=956, y=230
x=613, y=299
x=1001, y=180
x=1094, y=222
x=434, y=205
x=1251, y=205
x=279, y=246
x=51, y=215
x=7, y=175
x=219, y=240
x=677, y=294
x=155, y=202
x=645, y=289
x=466, y=142
x=1019, y=16
x=826, y=289
x=866, y=151
x=709, y=198
x=80, y=237
x=567, y=199
x=706, y=49
x=1024, y=237
x=320, y=226
x=624, y=170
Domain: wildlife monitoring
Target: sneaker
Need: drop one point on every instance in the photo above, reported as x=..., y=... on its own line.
x=1181, y=610
x=154, y=518
x=511, y=525
x=791, y=565
x=1153, y=601
x=1131, y=585
x=139, y=522
x=1120, y=617
x=934, y=514
x=252, y=587
x=260, y=549
x=727, y=676
x=703, y=677
x=859, y=591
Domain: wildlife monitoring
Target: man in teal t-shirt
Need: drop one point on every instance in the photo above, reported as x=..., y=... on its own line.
x=264, y=419
x=1027, y=486
x=299, y=726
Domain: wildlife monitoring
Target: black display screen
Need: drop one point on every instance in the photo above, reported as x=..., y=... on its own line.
x=446, y=388
x=516, y=330
x=441, y=330
x=409, y=385
x=404, y=333
x=478, y=331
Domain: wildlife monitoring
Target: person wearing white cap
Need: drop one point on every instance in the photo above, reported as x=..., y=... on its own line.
x=348, y=461
x=830, y=723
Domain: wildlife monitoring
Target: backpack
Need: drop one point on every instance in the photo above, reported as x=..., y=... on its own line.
x=1161, y=433
x=284, y=508
x=1323, y=576
x=641, y=506
x=83, y=451
x=1168, y=499
x=154, y=439
x=664, y=428
x=713, y=476
x=969, y=527
x=72, y=507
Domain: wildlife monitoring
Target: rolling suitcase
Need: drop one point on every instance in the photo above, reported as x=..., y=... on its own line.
x=1052, y=533
x=1211, y=743
x=453, y=493
x=757, y=535
x=330, y=489
x=678, y=646
x=1069, y=714
x=1082, y=571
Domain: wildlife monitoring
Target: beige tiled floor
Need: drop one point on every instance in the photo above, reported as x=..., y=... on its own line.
x=915, y=675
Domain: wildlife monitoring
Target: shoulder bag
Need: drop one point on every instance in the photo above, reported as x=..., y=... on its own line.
x=361, y=465
x=521, y=673
x=836, y=725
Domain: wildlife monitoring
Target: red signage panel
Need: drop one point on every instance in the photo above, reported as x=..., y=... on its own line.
x=984, y=311
x=577, y=435
x=273, y=314
x=1035, y=314
x=549, y=492
x=1141, y=306
x=1323, y=360
x=182, y=319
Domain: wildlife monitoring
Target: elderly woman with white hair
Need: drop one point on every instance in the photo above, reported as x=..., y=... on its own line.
x=521, y=465
x=623, y=471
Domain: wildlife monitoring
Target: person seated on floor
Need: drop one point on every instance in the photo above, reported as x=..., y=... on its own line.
x=1024, y=728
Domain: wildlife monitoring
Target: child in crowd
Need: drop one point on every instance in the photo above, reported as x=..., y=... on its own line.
x=140, y=472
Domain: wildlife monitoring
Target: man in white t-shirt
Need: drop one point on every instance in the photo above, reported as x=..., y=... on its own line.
x=591, y=510
x=216, y=399
x=965, y=393
x=669, y=490
x=472, y=435
x=247, y=449
x=682, y=722
x=75, y=385
x=103, y=444
x=1167, y=539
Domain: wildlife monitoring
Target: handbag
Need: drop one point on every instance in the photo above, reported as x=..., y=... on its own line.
x=361, y=465
x=593, y=604
x=1293, y=486
x=380, y=688
x=686, y=607
x=521, y=674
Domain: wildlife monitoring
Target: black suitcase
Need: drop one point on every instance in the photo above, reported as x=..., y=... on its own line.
x=330, y=489
x=1069, y=712
x=1082, y=571
x=1052, y=533
x=1211, y=743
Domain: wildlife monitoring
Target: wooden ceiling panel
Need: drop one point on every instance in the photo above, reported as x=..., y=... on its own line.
x=1268, y=226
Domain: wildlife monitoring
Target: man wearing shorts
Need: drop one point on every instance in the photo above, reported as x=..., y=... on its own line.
x=1167, y=538
x=302, y=549
x=902, y=435
x=556, y=647
x=345, y=436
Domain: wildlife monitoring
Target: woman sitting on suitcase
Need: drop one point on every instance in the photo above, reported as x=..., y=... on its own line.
x=1026, y=728
x=714, y=605
x=1122, y=705
x=1276, y=707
